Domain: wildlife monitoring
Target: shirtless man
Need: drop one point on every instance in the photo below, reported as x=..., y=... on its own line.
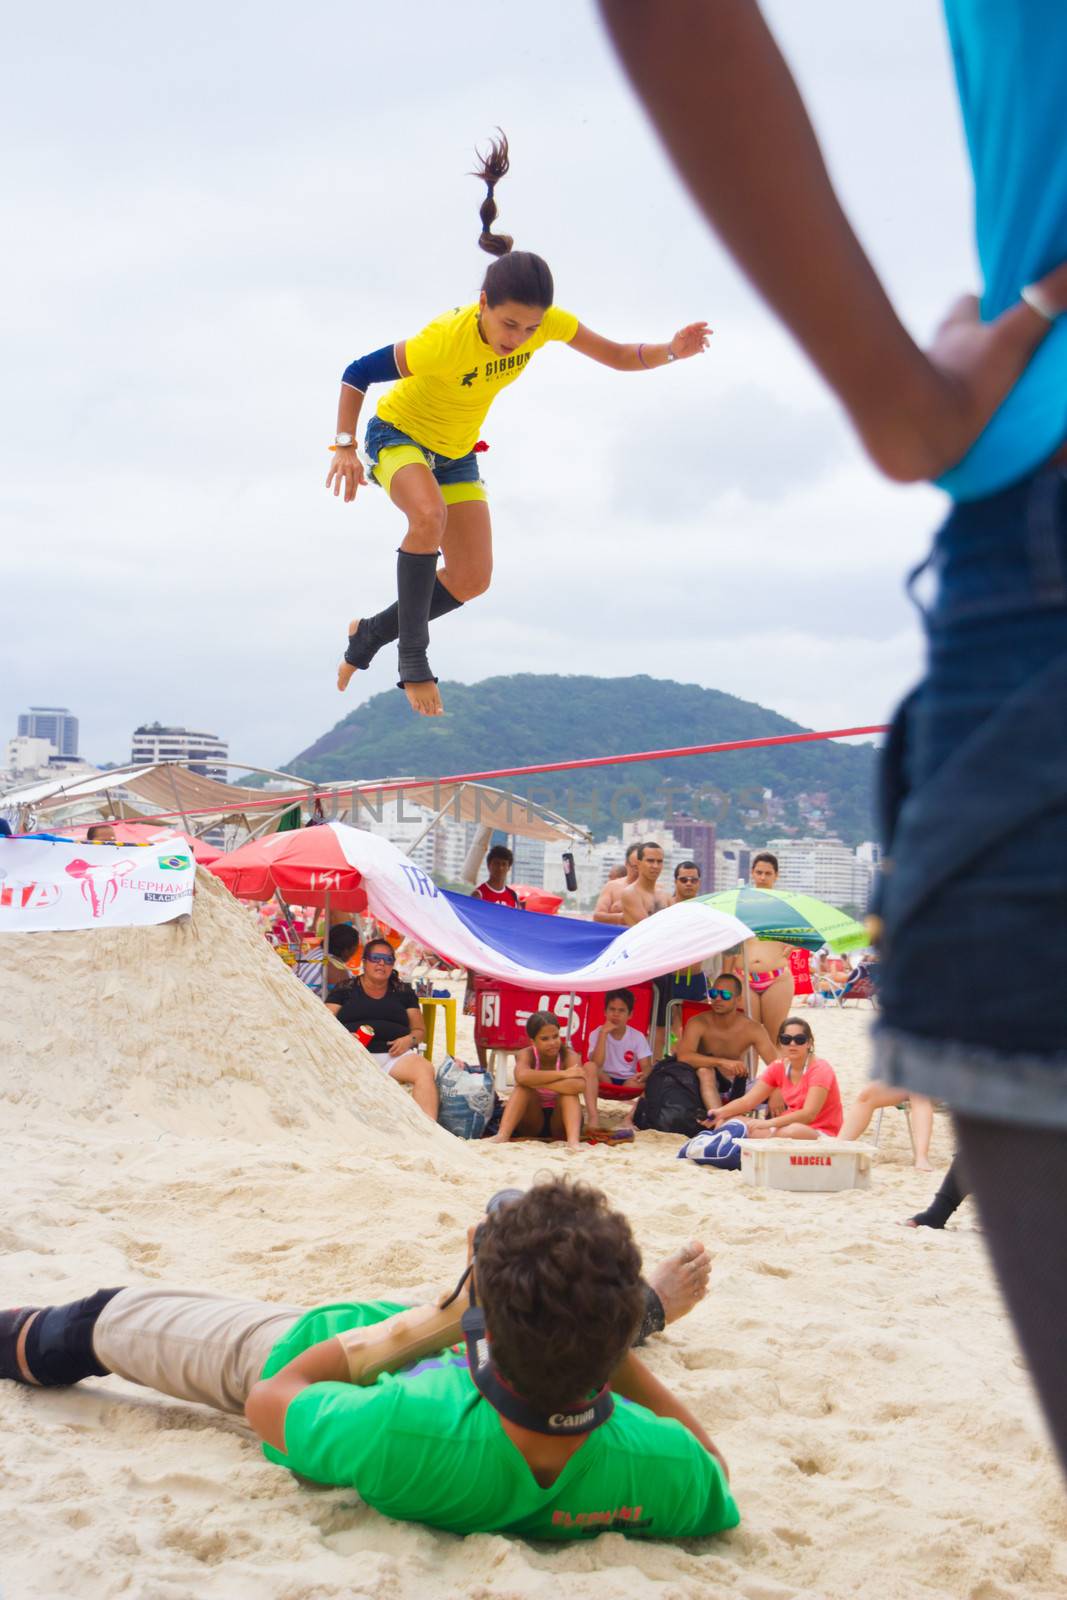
x=642, y=898
x=714, y=1043
x=609, y=906
x=770, y=978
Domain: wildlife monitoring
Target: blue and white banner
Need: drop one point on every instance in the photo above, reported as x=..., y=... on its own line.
x=524, y=947
x=61, y=883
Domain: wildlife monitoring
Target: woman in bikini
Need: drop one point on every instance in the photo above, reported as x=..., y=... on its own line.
x=422, y=443
x=770, y=977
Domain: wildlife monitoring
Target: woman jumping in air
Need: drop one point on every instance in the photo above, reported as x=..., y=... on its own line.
x=421, y=443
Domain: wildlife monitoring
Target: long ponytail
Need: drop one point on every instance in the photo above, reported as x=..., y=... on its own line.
x=491, y=168
x=517, y=275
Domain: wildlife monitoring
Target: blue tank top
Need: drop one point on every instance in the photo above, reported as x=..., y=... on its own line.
x=1010, y=58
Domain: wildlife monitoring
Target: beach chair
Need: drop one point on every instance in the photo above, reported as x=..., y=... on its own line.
x=905, y=1106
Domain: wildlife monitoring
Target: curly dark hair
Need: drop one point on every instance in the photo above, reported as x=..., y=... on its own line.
x=559, y=1275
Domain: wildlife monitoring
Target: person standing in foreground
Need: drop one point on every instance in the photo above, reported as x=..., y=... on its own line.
x=521, y=1435
x=974, y=778
x=422, y=443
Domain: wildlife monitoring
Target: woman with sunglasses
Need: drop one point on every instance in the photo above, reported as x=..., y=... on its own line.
x=807, y=1083
x=378, y=1000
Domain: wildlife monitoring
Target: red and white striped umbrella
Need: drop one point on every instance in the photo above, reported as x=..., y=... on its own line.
x=304, y=865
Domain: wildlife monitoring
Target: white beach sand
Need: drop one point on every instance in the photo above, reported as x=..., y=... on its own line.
x=173, y=1106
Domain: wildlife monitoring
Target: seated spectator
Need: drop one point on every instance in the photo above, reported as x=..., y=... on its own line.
x=496, y=889
x=688, y=983
x=342, y=943
x=549, y=1078
x=873, y=1097
x=619, y=1056
x=714, y=1043
x=609, y=906
x=101, y=833
x=378, y=1000
x=807, y=1083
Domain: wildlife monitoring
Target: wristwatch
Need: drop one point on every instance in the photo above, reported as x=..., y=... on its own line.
x=344, y=441
x=670, y=354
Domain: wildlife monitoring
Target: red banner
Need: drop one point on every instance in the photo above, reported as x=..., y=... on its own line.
x=501, y=1010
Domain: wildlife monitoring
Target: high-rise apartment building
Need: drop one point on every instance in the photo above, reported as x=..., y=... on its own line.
x=53, y=723
x=200, y=752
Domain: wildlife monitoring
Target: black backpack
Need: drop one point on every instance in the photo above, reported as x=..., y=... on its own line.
x=671, y=1102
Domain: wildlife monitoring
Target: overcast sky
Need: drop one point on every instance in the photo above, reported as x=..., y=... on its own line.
x=212, y=208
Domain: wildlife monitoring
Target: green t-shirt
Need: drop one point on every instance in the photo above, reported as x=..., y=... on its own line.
x=422, y=1445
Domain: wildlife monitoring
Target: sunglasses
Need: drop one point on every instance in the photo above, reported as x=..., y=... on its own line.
x=382, y=961
x=793, y=1038
x=724, y=994
x=687, y=880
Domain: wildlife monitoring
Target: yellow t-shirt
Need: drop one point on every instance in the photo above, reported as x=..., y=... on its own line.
x=455, y=377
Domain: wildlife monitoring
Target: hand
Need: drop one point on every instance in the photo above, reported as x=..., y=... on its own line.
x=980, y=362
x=346, y=468
x=691, y=340
x=776, y=1104
x=401, y=1046
x=716, y=1118
x=730, y=1068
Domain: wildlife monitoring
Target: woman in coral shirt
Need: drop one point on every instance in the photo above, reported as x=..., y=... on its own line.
x=808, y=1086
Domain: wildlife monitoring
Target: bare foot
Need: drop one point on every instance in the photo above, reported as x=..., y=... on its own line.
x=682, y=1280
x=922, y=1165
x=346, y=671
x=424, y=698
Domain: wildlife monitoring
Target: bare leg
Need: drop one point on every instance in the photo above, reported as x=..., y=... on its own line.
x=776, y=1003
x=922, y=1127
x=870, y=1099
x=517, y=1114
x=709, y=1088
x=417, y=1071
x=567, y=1119
x=467, y=546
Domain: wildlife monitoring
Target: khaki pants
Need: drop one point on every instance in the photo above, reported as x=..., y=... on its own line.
x=205, y=1347
x=198, y=1346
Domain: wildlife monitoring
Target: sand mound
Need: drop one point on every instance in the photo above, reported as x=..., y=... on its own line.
x=195, y=1026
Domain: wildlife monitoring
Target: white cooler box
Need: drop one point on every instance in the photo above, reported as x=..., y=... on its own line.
x=806, y=1164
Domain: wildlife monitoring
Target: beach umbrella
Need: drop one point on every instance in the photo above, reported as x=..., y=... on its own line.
x=306, y=867
x=796, y=919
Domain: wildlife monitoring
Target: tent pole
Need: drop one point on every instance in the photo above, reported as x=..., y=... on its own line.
x=749, y=1064
x=434, y=820
x=325, y=939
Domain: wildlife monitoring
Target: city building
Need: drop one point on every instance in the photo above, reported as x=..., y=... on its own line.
x=697, y=839
x=200, y=752
x=732, y=857
x=53, y=723
x=25, y=753
x=825, y=868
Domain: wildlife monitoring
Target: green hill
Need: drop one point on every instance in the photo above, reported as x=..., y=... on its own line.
x=520, y=720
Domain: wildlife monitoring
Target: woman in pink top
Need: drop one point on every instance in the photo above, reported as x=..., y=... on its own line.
x=808, y=1086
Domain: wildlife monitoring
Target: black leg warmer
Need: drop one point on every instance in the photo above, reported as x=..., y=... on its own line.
x=59, y=1344
x=384, y=628
x=415, y=579
x=951, y=1195
x=654, y=1320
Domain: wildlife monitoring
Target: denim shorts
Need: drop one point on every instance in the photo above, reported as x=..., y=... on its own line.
x=449, y=471
x=973, y=896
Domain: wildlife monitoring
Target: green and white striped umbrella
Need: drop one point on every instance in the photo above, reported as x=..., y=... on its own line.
x=797, y=919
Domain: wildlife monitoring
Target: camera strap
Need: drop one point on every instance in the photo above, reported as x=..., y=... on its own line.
x=577, y=1419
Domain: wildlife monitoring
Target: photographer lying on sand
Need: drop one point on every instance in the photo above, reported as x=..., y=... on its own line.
x=549, y=1426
